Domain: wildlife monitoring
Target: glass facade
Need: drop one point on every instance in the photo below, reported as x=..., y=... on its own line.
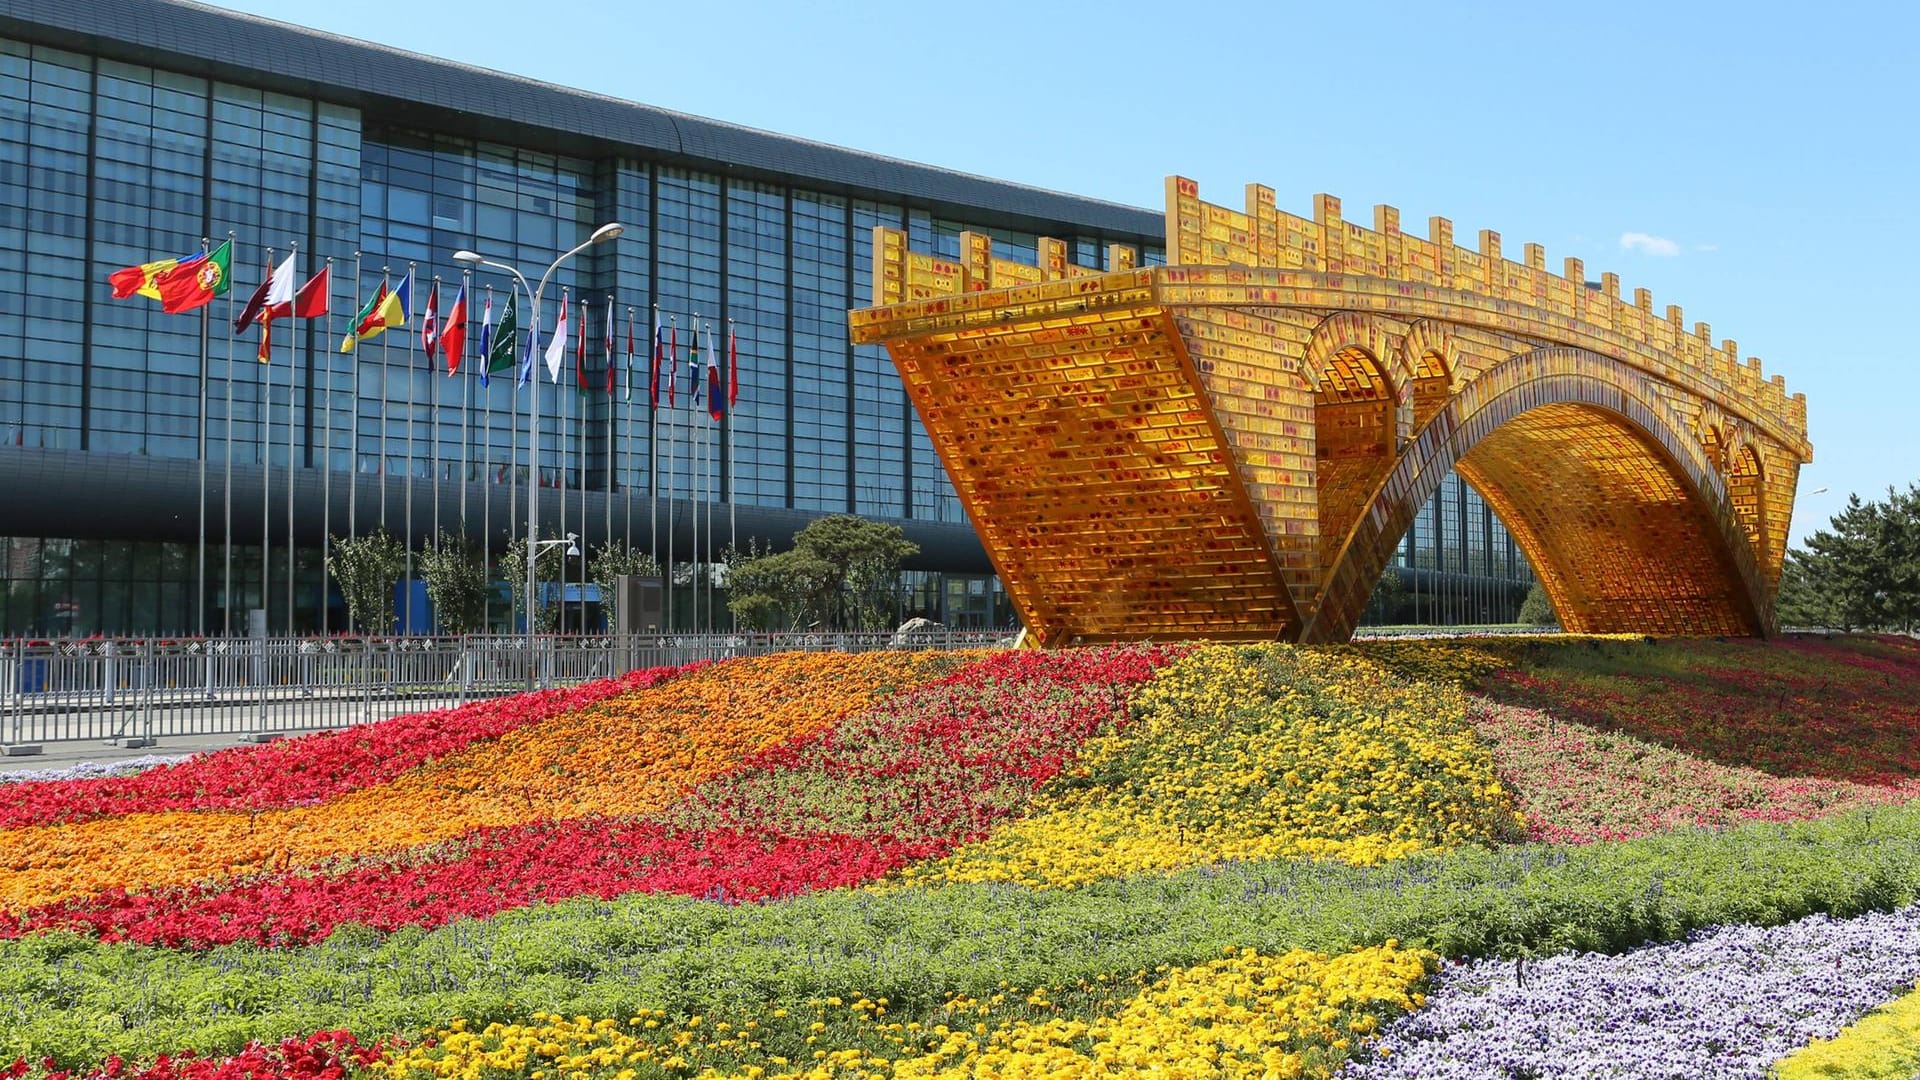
x=106, y=164
x=1457, y=563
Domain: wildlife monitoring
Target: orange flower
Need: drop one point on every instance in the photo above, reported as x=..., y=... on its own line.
x=628, y=755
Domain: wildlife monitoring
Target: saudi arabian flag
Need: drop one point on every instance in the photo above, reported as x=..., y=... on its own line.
x=500, y=355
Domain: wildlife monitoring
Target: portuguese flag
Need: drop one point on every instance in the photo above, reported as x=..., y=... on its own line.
x=194, y=284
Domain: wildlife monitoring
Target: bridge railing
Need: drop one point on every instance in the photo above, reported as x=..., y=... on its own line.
x=132, y=692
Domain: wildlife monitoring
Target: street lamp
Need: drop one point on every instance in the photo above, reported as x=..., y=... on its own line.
x=610, y=231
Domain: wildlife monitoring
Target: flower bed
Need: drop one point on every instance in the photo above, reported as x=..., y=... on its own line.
x=1244, y=1015
x=1840, y=709
x=631, y=754
x=903, y=781
x=1576, y=783
x=1253, y=753
x=311, y=768
x=1883, y=1045
x=554, y=882
x=1726, y=1003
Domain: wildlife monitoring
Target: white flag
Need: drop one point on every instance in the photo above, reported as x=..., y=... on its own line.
x=557, y=348
x=280, y=291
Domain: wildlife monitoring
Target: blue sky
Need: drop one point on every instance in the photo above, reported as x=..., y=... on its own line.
x=1763, y=154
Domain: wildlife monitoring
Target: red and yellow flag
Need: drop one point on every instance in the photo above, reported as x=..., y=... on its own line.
x=193, y=283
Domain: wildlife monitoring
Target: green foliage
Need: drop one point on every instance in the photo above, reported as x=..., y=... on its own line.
x=1537, y=608
x=684, y=955
x=456, y=583
x=839, y=575
x=1862, y=572
x=611, y=561
x=1390, y=600
x=513, y=563
x=367, y=567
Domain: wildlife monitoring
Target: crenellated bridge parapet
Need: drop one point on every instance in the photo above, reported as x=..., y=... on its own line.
x=1215, y=447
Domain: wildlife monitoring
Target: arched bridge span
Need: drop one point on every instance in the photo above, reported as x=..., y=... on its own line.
x=1230, y=445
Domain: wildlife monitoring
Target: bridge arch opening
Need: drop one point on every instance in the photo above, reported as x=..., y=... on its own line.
x=1354, y=408
x=1618, y=509
x=1739, y=463
x=1746, y=490
x=1432, y=382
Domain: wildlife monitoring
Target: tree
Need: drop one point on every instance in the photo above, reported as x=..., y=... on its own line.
x=1390, y=595
x=1862, y=571
x=1537, y=608
x=839, y=575
x=608, y=564
x=456, y=583
x=513, y=563
x=788, y=590
x=367, y=567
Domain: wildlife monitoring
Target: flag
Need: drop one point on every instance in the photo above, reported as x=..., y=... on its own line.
x=580, y=352
x=453, y=339
x=693, y=364
x=498, y=354
x=716, y=401
x=610, y=346
x=673, y=360
x=368, y=315
x=250, y=311
x=557, y=348
x=629, y=354
x=311, y=302
x=733, y=365
x=430, y=325
x=533, y=341
x=659, y=357
x=486, y=336
x=139, y=279
x=387, y=309
x=272, y=300
x=193, y=283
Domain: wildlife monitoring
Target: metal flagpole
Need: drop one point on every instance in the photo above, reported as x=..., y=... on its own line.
x=466, y=408
x=486, y=469
x=226, y=488
x=733, y=421
x=513, y=467
x=713, y=472
x=433, y=409
x=673, y=372
x=613, y=444
x=694, y=486
x=266, y=470
x=406, y=530
x=326, y=451
x=200, y=576
x=627, y=457
x=653, y=439
x=580, y=404
x=386, y=285
x=353, y=400
x=560, y=446
x=293, y=373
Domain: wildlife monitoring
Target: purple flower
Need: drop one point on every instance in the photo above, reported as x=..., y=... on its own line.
x=1727, y=1002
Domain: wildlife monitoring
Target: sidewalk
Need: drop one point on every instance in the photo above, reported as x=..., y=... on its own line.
x=63, y=755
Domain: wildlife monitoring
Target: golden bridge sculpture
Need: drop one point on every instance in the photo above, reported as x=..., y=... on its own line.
x=1231, y=445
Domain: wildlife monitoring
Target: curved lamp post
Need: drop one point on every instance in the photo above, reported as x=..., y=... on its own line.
x=611, y=230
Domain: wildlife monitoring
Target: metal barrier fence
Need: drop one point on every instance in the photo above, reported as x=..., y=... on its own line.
x=135, y=691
